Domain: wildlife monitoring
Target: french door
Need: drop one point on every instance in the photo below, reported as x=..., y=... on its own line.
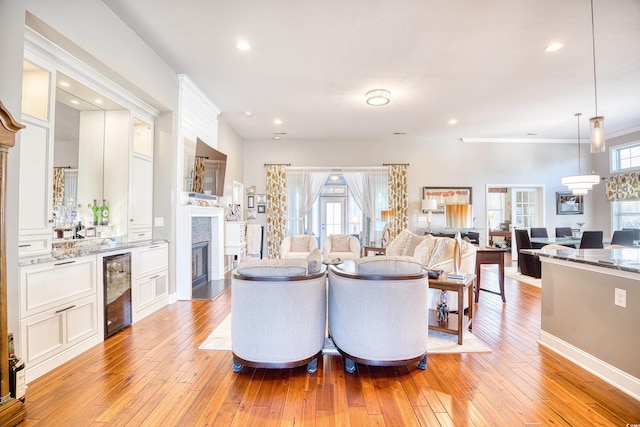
x=333, y=214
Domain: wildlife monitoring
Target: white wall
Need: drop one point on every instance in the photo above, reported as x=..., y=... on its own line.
x=436, y=163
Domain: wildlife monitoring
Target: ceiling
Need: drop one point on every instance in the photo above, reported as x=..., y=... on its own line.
x=481, y=63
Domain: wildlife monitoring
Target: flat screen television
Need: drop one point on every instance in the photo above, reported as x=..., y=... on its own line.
x=208, y=170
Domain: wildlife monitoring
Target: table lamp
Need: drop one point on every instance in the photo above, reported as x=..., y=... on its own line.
x=457, y=217
x=354, y=222
x=429, y=205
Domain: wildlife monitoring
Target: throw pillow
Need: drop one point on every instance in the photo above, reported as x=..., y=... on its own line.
x=442, y=251
x=340, y=243
x=397, y=245
x=388, y=265
x=412, y=243
x=424, y=250
x=314, y=261
x=300, y=243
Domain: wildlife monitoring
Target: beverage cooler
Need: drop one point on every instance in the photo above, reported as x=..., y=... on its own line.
x=117, y=293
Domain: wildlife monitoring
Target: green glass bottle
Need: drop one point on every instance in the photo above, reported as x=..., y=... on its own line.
x=104, y=213
x=96, y=212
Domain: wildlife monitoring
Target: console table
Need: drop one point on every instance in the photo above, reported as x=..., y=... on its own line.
x=374, y=249
x=490, y=256
x=455, y=323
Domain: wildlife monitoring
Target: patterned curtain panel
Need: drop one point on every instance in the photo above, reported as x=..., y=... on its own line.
x=625, y=186
x=198, y=175
x=58, y=185
x=398, y=198
x=276, y=208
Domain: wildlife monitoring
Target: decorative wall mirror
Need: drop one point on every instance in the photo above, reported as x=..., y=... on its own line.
x=79, y=142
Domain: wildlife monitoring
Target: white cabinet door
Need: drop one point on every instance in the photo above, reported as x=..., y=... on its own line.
x=49, y=333
x=36, y=191
x=151, y=289
x=141, y=198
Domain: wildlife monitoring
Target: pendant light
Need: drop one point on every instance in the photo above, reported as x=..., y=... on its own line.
x=597, y=144
x=580, y=184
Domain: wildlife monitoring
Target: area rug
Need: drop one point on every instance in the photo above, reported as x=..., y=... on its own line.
x=512, y=273
x=438, y=342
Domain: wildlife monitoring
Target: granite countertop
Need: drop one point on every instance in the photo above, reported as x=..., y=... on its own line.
x=627, y=259
x=95, y=246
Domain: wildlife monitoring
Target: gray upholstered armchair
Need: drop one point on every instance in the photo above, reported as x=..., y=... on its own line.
x=378, y=311
x=278, y=314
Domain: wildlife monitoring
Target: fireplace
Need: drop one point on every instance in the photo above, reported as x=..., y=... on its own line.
x=199, y=263
x=198, y=224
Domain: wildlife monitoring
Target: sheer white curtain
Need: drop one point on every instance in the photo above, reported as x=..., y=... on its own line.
x=303, y=188
x=370, y=190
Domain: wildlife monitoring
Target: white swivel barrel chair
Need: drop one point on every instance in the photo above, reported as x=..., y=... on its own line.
x=340, y=246
x=278, y=314
x=378, y=314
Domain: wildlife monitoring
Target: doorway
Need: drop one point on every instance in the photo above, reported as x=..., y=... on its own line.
x=510, y=207
x=333, y=216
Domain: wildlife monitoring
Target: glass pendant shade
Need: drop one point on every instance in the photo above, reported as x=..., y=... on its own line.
x=597, y=134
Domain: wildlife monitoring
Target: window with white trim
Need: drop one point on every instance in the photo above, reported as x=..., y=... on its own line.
x=625, y=213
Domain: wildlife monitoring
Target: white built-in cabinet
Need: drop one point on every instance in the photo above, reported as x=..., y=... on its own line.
x=62, y=303
x=36, y=159
x=150, y=288
x=59, y=312
x=128, y=174
x=235, y=239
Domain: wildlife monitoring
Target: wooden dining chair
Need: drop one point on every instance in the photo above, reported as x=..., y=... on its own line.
x=591, y=240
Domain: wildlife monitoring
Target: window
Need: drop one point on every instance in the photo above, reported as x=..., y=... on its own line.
x=625, y=157
x=625, y=213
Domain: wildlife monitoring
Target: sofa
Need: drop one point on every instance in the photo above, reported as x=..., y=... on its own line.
x=278, y=313
x=377, y=312
x=297, y=246
x=340, y=246
x=435, y=253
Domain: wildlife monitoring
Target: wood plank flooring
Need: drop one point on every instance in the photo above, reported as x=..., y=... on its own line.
x=153, y=374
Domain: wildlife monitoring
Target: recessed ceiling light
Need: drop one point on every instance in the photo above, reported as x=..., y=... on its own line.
x=243, y=45
x=248, y=113
x=378, y=97
x=64, y=84
x=276, y=138
x=98, y=101
x=277, y=122
x=75, y=102
x=552, y=47
x=453, y=121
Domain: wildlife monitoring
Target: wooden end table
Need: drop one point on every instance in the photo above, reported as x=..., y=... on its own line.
x=490, y=256
x=455, y=323
x=374, y=249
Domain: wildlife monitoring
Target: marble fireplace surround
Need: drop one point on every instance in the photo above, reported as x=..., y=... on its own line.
x=183, y=246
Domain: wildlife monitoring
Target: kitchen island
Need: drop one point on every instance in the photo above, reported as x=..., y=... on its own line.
x=591, y=311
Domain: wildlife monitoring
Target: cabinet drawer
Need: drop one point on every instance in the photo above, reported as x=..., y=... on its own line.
x=53, y=284
x=151, y=259
x=46, y=334
x=34, y=245
x=139, y=235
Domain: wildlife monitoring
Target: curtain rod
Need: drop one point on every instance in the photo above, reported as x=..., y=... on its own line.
x=277, y=164
x=395, y=164
x=336, y=168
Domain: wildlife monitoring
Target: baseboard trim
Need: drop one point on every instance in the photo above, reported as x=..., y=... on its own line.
x=614, y=376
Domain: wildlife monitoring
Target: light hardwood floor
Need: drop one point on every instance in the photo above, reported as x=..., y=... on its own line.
x=153, y=374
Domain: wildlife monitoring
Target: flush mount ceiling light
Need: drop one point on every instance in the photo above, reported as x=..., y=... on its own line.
x=596, y=123
x=552, y=47
x=377, y=97
x=243, y=45
x=580, y=184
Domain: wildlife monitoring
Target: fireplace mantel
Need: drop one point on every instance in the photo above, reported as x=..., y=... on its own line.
x=183, y=245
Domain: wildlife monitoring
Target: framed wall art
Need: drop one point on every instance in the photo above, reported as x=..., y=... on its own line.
x=569, y=204
x=262, y=209
x=261, y=199
x=251, y=202
x=447, y=196
x=251, y=214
